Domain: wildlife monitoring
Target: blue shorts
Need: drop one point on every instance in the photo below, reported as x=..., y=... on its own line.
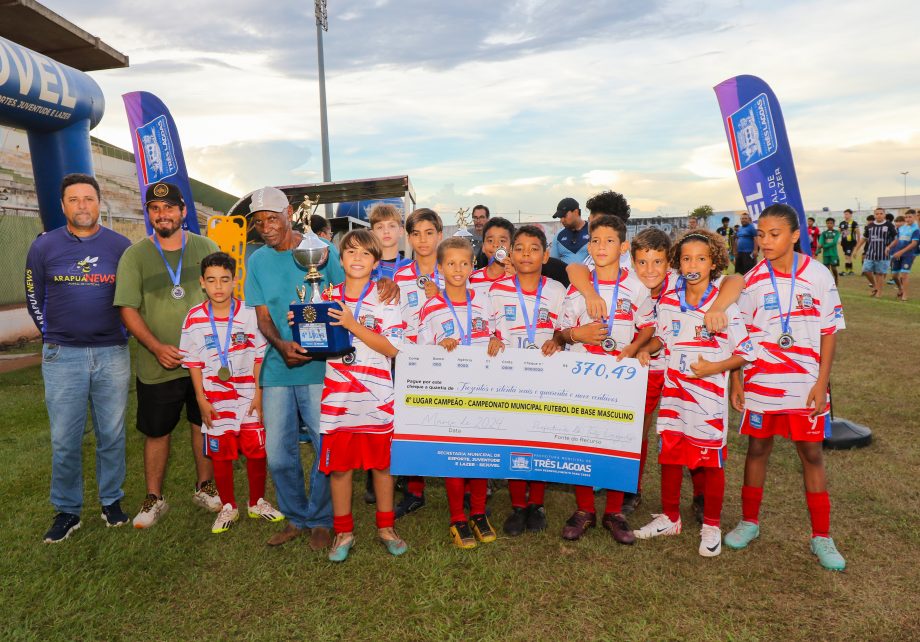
x=876, y=267
x=903, y=264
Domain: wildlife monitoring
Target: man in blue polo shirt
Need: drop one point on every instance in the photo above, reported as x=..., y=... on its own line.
x=746, y=245
x=291, y=382
x=571, y=245
x=70, y=286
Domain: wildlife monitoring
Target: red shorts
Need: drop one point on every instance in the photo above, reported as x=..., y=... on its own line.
x=790, y=426
x=343, y=450
x=675, y=448
x=653, y=391
x=228, y=446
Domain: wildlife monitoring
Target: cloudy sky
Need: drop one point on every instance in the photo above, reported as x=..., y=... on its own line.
x=517, y=104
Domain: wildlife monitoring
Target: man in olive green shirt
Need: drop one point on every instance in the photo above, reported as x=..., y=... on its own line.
x=156, y=285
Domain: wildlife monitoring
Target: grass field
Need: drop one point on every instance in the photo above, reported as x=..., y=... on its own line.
x=179, y=582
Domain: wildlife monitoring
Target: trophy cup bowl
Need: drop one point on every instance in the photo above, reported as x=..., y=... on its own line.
x=312, y=329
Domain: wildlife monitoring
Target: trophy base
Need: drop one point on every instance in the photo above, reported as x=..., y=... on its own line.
x=313, y=332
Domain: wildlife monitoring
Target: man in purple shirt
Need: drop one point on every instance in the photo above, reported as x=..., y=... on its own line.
x=70, y=286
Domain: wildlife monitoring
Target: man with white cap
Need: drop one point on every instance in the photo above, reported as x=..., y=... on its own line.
x=292, y=383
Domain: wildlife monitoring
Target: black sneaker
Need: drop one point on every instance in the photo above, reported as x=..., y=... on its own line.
x=631, y=502
x=409, y=504
x=64, y=524
x=370, y=497
x=536, y=518
x=516, y=522
x=698, y=503
x=114, y=516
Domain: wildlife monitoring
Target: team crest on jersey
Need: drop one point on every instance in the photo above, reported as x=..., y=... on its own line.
x=447, y=327
x=838, y=312
x=413, y=299
x=239, y=338
x=756, y=420
x=478, y=324
x=543, y=315
x=368, y=321
x=701, y=333
x=747, y=346
x=624, y=306
x=510, y=312
x=804, y=302
x=770, y=301
x=675, y=327
x=210, y=342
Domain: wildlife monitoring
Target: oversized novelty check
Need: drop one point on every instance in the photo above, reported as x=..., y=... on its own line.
x=571, y=418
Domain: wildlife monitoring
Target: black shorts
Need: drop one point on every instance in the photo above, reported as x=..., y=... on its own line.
x=159, y=406
x=744, y=262
x=847, y=248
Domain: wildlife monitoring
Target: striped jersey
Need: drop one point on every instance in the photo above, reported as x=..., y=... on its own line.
x=509, y=313
x=697, y=408
x=631, y=297
x=358, y=397
x=779, y=380
x=657, y=362
x=436, y=322
x=199, y=347
x=412, y=297
x=481, y=281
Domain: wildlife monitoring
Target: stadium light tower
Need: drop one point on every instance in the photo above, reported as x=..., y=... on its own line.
x=322, y=24
x=904, y=174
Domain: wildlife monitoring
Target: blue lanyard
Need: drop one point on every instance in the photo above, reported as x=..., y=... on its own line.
x=614, y=302
x=418, y=272
x=664, y=287
x=531, y=327
x=380, y=273
x=464, y=339
x=681, y=287
x=784, y=320
x=223, y=351
x=357, y=313
x=176, y=276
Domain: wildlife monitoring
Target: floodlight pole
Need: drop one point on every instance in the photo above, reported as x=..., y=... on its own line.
x=905, y=186
x=322, y=24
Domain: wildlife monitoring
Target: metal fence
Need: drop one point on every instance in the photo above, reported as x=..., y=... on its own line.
x=18, y=228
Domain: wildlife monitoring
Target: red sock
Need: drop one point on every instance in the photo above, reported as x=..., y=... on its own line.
x=223, y=479
x=698, y=477
x=343, y=523
x=454, y=488
x=715, y=492
x=479, y=492
x=584, y=498
x=385, y=520
x=416, y=486
x=672, y=475
x=819, y=507
x=643, y=454
x=537, y=492
x=614, y=502
x=255, y=469
x=517, y=488
x=750, y=503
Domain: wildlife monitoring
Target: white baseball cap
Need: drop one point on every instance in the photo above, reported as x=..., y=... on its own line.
x=268, y=199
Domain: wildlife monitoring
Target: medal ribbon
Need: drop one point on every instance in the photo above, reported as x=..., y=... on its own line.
x=176, y=276
x=530, y=327
x=436, y=275
x=681, y=287
x=464, y=338
x=223, y=351
x=367, y=288
x=614, y=302
x=784, y=320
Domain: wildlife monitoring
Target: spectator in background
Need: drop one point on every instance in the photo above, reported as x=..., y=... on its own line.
x=480, y=216
x=693, y=223
x=746, y=240
x=728, y=234
x=903, y=250
x=878, y=235
x=849, y=237
x=571, y=243
x=320, y=226
x=813, y=234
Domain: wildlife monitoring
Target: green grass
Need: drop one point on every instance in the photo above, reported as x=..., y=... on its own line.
x=177, y=581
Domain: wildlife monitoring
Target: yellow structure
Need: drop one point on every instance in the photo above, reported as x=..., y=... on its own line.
x=229, y=232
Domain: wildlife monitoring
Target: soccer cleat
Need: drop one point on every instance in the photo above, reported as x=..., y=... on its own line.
x=207, y=497
x=482, y=528
x=395, y=545
x=62, y=527
x=699, y=502
x=342, y=546
x=578, y=524
x=710, y=540
x=114, y=516
x=742, y=535
x=225, y=518
x=409, y=504
x=619, y=528
x=631, y=502
x=462, y=536
x=516, y=522
x=661, y=524
x=151, y=511
x=536, y=518
x=828, y=555
x=264, y=510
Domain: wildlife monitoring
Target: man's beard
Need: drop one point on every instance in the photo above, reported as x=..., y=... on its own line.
x=165, y=234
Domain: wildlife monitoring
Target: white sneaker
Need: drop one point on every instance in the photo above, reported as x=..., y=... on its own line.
x=151, y=511
x=264, y=510
x=710, y=541
x=660, y=525
x=228, y=514
x=207, y=497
